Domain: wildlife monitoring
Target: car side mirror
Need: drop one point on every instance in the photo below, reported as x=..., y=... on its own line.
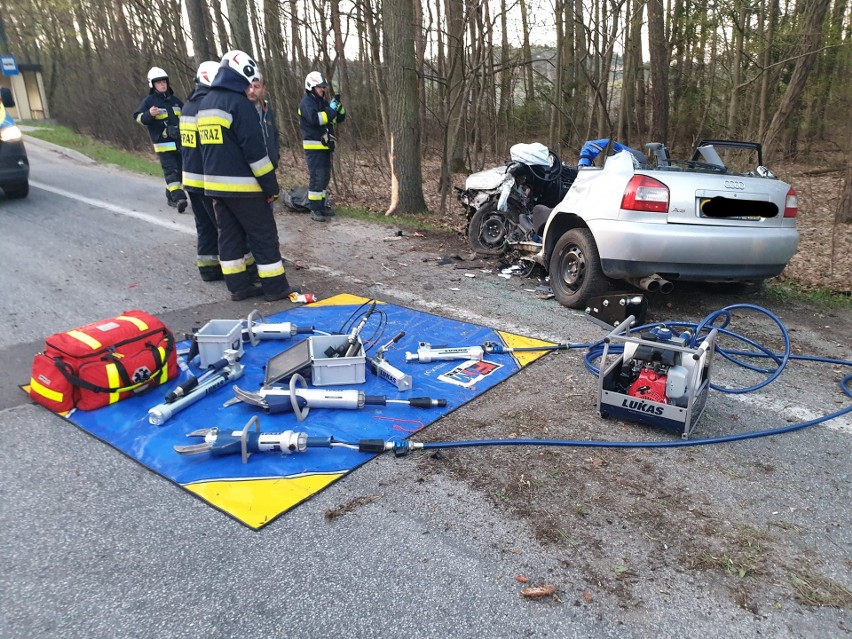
x=6, y=96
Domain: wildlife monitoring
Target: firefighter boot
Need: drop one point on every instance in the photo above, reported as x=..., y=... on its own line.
x=255, y=290
x=283, y=294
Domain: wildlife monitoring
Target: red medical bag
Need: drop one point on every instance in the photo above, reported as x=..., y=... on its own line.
x=103, y=362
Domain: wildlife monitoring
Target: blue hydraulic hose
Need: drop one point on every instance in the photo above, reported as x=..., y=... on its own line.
x=705, y=326
x=579, y=443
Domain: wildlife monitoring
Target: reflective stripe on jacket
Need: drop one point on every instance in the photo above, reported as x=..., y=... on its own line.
x=315, y=118
x=233, y=151
x=156, y=125
x=190, y=149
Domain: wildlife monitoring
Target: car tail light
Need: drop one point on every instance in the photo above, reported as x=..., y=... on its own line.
x=791, y=205
x=644, y=193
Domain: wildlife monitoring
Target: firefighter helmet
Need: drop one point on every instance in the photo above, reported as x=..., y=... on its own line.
x=206, y=72
x=314, y=79
x=242, y=63
x=156, y=73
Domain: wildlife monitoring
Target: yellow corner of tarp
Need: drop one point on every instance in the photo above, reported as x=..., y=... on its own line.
x=256, y=502
x=511, y=340
x=344, y=299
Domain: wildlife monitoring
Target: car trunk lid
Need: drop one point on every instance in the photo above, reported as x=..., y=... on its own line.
x=724, y=200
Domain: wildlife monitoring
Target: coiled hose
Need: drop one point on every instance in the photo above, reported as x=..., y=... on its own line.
x=701, y=329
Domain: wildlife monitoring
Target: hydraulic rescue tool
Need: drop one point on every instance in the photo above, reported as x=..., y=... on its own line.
x=426, y=353
x=220, y=442
x=277, y=399
x=256, y=328
x=230, y=358
x=231, y=371
x=383, y=369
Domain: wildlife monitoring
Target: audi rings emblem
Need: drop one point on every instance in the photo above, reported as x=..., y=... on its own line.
x=735, y=184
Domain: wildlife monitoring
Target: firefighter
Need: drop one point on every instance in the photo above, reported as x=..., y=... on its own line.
x=160, y=112
x=207, y=234
x=316, y=121
x=238, y=175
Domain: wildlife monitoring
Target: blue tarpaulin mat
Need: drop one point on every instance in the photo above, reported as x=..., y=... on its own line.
x=270, y=484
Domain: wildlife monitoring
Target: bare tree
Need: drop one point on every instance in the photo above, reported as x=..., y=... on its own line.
x=238, y=17
x=811, y=37
x=658, y=48
x=406, y=179
x=844, y=211
x=201, y=39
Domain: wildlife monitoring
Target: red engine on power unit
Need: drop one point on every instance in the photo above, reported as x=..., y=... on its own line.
x=649, y=385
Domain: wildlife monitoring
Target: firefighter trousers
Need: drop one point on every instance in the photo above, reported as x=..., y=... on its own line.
x=319, y=170
x=247, y=224
x=207, y=237
x=170, y=162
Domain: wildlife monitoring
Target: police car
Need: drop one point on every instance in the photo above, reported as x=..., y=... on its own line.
x=14, y=166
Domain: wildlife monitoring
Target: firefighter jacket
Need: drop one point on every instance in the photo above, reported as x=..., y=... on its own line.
x=233, y=151
x=316, y=121
x=163, y=128
x=270, y=131
x=190, y=149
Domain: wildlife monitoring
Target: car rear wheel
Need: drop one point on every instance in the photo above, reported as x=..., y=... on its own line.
x=17, y=191
x=575, y=269
x=488, y=230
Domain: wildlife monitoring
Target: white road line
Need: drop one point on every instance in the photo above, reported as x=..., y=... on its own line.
x=433, y=306
x=144, y=217
x=842, y=424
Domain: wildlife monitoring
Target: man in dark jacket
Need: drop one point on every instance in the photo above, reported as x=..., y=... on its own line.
x=316, y=121
x=257, y=95
x=239, y=176
x=160, y=113
x=207, y=233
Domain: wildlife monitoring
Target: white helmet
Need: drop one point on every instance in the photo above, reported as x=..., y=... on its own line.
x=156, y=73
x=206, y=72
x=314, y=79
x=242, y=63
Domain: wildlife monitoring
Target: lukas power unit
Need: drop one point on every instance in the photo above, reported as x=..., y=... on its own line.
x=655, y=378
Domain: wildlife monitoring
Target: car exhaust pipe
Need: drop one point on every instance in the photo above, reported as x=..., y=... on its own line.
x=666, y=287
x=653, y=284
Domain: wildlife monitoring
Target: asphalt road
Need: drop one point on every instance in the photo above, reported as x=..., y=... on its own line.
x=94, y=545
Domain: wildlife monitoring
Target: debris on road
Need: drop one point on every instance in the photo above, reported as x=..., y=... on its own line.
x=537, y=592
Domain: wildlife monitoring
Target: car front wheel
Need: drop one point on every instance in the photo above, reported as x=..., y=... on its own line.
x=575, y=269
x=488, y=230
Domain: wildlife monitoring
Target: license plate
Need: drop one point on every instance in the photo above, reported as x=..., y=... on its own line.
x=704, y=200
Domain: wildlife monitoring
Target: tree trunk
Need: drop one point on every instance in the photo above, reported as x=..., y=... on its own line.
x=376, y=68
x=505, y=108
x=658, y=49
x=406, y=178
x=844, y=211
x=224, y=40
x=767, y=59
x=529, y=86
x=811, y=37
x=454, y=11
x=636, y=42
x=238, y=17
x=198, y=31
x=736, y=69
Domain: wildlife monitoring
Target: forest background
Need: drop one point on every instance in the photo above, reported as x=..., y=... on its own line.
x=436, y=89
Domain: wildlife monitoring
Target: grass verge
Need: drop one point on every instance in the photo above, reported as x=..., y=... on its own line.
x=98, y=151
x=789, y=291
x=425, y=222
